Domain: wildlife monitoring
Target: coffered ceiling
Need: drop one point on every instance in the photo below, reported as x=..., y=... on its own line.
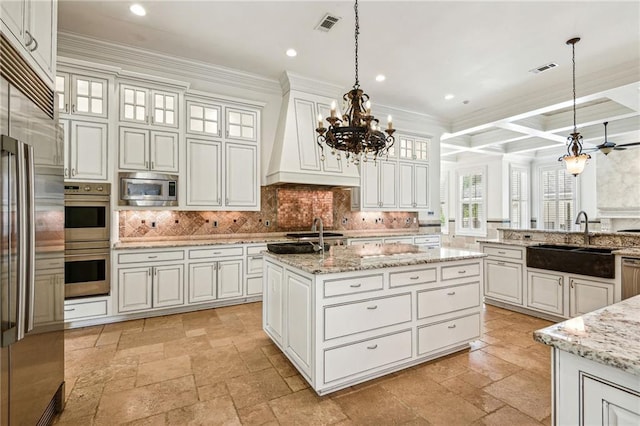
x=481, y=52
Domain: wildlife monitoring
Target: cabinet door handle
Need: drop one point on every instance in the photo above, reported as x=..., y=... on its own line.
x=502, y=252
x=73, y=172
x=372, y=307
x=28, y=42
x=66, y=172
x=73, y=108
x=226, y=201
x=451, y=293
x=36, y=45
x=414, y=278
x=500, y=263
x=149, y=270
x=153, y=165
x=452, y=326
x=219, y=200
x=66, y=107
x=560, y=281
x=464, y=271
x=571, y=283
x=155, y=271
x=372, y=346
x=355, y=285
x=146, y=164
x=69, y=309
x=152, y=257
x=217, y=252
x=152, y=120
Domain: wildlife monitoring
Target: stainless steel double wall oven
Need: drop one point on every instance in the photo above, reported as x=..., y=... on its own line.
x=87, y=230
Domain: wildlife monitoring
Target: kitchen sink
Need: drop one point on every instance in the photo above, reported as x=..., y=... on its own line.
x=293, y=248
x=590, y=261
x=315, y=235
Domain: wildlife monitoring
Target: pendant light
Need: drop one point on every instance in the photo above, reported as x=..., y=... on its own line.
x=574, y=159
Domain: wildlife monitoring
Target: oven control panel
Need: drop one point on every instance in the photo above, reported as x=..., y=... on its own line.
x=89, y=188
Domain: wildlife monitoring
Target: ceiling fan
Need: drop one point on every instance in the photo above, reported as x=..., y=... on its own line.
x=606, y=147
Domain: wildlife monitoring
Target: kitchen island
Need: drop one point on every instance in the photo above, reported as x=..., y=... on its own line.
x=366, y=311
x=596, y=366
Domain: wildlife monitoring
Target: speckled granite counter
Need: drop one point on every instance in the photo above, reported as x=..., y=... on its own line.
x=267, y=237
x=622, y=251
x=610, y=336
x=360, y=257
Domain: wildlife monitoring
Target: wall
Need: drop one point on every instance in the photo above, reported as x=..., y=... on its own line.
x=276, y=207
x=618, y=189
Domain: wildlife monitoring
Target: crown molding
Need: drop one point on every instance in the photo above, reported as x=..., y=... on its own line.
x=206, y=96
x=155, y=80
x=63, y=61
x=291, y=81
x=70, y=44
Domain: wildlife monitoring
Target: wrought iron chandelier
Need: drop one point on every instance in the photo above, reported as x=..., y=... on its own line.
x=574, y=159
x=357, y=133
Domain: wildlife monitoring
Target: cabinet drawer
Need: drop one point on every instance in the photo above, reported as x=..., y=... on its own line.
x=85, y=310
x=215, y=252
x=450, y=299
x=417, y=276
x=431, y=239
x=352, y=285
x=398, y=240
x=460, y=271
x=252, y=250
x=254, y=265
x=511, y=253
x=344, y=320
x=446, y=334
x=159, y=256
x=362, y=356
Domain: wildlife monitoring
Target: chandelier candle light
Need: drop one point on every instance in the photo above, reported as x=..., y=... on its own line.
x=574, y=159
x=357, y=133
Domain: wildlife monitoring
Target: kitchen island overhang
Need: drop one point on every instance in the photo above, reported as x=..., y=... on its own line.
x=366, y=311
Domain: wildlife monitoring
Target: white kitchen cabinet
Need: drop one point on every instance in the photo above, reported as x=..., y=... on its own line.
x=147, y=287
x=253, y=268
x=241, y=124
x=168, y=285
x=503, y=280
x=609, y=405
x=144, y=105
x=230, y=278
x=241, y=178
x=141, y=149
x=204, y=177
x=219, y=277
x=414, y=186
x=31, y=26
x=545, y=291
x=588, y=295
x=85, y=150
x=412, y=148
x=427, y=241
x=204, y=118
x=273, y=300
x=202, y=282
x=379, y=184
x=82, y=95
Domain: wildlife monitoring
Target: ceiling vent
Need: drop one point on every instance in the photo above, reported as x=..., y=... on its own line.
x=327, y=22
x=544, y=68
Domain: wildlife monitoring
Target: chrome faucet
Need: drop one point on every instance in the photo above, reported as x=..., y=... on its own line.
x=314, y=228
x=586, y=225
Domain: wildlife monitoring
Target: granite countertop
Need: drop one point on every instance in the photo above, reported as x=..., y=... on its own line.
x=610, y=336
x=362, y=257
x=518, y=243
x=267, y=237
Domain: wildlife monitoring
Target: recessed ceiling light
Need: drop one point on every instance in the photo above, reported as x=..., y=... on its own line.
x=449, y=96
x=380, y=77
x=137, y=9
x=292, y=53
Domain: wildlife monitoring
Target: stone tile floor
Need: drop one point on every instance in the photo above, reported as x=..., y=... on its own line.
x=218, y=367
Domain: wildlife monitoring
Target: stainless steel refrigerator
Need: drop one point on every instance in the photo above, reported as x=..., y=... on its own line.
x=32, y=262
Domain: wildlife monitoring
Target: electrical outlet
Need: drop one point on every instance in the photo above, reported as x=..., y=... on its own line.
x=407, y=221
x=215, y=223
x=344, y=220
x=430, y=212
x=267, y=223
x=415, y=220
x=153, y=224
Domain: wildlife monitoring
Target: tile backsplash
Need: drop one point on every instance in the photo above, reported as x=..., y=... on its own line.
x=283, y=208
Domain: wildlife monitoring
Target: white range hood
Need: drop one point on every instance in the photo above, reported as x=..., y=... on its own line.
x=296, y=157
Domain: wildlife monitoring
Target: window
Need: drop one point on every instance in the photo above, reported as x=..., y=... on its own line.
x=470, y=217
x=444, y=204
x=557, y=199
x=519, y=198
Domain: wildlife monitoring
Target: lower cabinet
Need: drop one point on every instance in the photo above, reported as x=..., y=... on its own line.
x=587, y=295
x=215, y=280
x=609, y=405
x=503, y=280
x=545, y=291
x=145, y=288
x=343, y=328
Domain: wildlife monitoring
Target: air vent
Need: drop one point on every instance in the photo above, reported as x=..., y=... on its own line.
x=327, y=22
x=543, y=68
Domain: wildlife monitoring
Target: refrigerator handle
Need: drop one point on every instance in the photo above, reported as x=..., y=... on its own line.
x=31, y=237
x=23, y=244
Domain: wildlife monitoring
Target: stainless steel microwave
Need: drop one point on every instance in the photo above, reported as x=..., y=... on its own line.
x=148, y=189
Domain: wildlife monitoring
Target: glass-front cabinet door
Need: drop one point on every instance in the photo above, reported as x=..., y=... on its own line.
x=89, y=96
x=204, y=118
x=62, y=93
x=165, y=108
x=241, y=124
x=133, y=104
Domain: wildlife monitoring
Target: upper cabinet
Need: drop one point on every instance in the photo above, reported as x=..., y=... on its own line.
x=204, y=118
x=142, y=105
x=31, y=26
x=412, y=148
x=82, y=95
x=241, y=125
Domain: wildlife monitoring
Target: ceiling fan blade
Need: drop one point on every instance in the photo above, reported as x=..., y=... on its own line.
x=619, y=148
x=628, y=144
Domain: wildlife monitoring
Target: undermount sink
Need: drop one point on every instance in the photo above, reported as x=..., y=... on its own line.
x=293, y=248
x=590, y=261
x=316, y=235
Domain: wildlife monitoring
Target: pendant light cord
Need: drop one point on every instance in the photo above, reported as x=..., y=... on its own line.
x=357, y=84
x=573, y=46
